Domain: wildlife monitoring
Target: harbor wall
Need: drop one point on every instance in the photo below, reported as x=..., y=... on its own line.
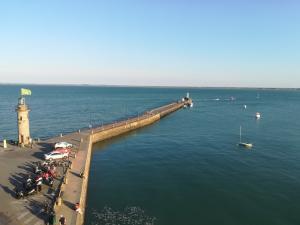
x=108, y=131
x=123, y=127
x=171, y=109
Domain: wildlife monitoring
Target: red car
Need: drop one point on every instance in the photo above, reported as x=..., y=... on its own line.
x=62, y=150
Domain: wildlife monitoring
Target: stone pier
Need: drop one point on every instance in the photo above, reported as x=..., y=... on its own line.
x=71, y=188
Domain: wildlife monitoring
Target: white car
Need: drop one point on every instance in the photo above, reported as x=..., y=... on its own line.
x=56, y=155
x=63, y=145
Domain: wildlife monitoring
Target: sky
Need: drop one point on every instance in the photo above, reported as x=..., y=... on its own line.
x=214, y=43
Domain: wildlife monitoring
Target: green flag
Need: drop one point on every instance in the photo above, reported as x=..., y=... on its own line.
x=25, y=91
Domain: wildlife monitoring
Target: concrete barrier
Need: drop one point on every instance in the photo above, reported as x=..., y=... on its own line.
x=65, y=180
x=58, y=201
x=4, y=143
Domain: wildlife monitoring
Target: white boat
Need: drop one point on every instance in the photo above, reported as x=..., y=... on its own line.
x=257, y=115
x=244, y=144
x=245, y=106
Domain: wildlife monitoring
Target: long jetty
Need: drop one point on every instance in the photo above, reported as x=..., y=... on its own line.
x=72, y=187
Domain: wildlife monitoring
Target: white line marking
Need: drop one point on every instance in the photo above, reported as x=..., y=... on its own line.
x=39, y=223
x=28, y=220
x=17, y=202
x=32, y=217
x=22, y=215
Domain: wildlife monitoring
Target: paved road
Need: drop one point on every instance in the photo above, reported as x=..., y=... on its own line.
x=16, y=164
x=29, y=211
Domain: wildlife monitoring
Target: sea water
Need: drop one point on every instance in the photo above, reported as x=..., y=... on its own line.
x=185, y=169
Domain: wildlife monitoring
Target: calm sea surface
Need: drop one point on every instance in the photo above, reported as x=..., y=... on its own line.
x=186, y=169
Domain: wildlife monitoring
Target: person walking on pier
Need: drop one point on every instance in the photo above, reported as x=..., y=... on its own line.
x=52, y=218
x=77, y=208
x=62, y=220
x=81, y=174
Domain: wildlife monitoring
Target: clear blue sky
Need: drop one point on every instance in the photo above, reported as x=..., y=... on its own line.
x=156, y=42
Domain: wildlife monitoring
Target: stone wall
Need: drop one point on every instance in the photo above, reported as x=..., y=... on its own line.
x=124, y=127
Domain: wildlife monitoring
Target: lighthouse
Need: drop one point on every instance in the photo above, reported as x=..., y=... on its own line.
x=23, y=119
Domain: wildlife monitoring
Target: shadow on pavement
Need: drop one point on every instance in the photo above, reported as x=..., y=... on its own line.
x=8, y=190
x=69, y=204
x=76, y=174
x=28, y=166
x=37, y=208
x=44, y=148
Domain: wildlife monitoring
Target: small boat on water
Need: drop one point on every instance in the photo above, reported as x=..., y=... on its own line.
x=244, y=144
x=257, y=115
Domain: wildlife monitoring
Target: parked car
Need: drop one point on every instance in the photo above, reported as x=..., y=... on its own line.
x=63, y=150
x=63, y=145
x=56, y=155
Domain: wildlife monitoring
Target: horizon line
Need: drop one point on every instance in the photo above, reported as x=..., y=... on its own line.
x=146, y=86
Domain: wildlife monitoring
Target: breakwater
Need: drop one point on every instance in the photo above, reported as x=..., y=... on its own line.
x=74, y=188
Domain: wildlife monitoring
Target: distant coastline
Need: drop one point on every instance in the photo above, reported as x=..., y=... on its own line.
x=151, y=86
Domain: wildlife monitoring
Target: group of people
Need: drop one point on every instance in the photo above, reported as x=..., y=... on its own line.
x=52, y=219
x=62, y=220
